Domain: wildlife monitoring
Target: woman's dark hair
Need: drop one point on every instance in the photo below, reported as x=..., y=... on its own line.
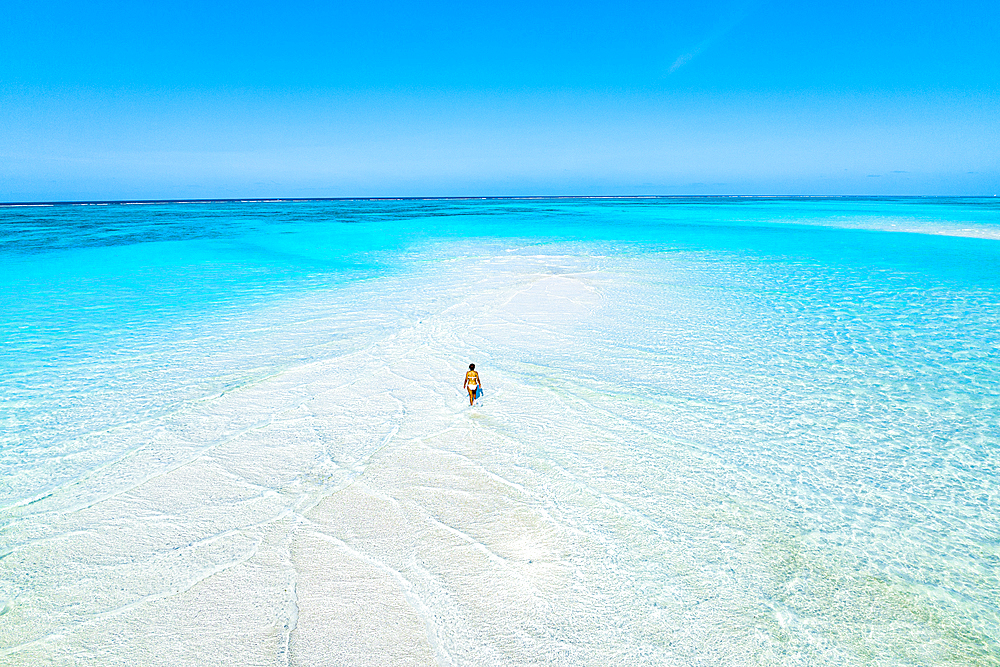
x=472, y=367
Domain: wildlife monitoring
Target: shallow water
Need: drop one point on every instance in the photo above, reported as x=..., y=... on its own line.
x=715, y=431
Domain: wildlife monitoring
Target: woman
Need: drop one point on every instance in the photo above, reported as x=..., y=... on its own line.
x=472, y=383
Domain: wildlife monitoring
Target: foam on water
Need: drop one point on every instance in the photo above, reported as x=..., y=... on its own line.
x=701, y=443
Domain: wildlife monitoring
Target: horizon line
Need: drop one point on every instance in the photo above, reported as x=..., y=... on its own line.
x=277, y=200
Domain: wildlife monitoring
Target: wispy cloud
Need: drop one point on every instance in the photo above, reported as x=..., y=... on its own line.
x=686, y=58
x=730, y=20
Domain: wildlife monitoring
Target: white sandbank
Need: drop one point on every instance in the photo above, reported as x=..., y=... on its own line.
x=353, y=510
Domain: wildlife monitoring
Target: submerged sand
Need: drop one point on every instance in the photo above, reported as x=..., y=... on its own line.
x=353, y=510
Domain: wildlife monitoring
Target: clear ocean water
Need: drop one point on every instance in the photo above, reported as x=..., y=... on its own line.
x=715, y=431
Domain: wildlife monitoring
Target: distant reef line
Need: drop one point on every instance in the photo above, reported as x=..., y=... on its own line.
x=284, y=200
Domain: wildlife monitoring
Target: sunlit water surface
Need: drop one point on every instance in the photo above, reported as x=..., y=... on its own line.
x=715, y=432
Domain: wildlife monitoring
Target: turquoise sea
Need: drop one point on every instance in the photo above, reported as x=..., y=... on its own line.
x=715, y=431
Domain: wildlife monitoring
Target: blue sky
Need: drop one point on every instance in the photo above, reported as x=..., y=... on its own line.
x=258, y=99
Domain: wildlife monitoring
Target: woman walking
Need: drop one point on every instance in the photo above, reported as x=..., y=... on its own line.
x=472, y=383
